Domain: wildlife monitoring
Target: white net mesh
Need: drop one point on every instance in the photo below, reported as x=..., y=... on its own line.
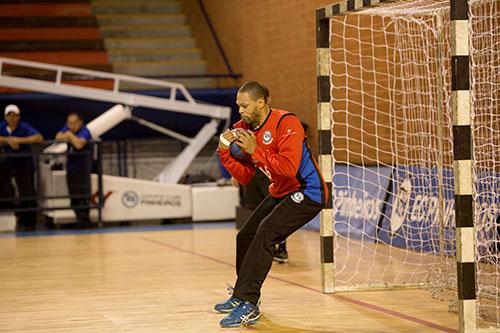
x=392, y=147
x=484, y=43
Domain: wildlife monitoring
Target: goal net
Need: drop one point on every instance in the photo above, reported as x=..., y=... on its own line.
x=392, y=147
x=484, y=49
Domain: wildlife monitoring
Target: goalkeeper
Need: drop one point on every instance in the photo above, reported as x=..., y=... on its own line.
x=273, y=141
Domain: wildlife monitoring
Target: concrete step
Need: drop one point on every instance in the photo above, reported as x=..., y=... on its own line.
x=159, y=68
x=129, y=55
x=158, y=30
x=137, y=19
x=149, y=43
x=133, y=7
x=188, y=82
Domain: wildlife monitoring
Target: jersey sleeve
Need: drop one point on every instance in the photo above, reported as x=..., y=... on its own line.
x=30, y=130
x=3, y=129
x=85, y=134
x=242, y=172
x=290, y=135
x=64, y=129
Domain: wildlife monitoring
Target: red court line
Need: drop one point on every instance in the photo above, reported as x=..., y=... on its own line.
x=341, y=297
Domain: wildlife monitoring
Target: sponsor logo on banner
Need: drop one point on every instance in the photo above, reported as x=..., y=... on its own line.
x=358, y=200
x=357, y=205
x=160, y=200
x=94, y=199
x=401, y=205
x=411, y=214
x=130, y=199
x=487, y=215
x=487, y=205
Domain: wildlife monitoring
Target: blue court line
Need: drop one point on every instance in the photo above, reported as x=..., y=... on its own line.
x=121, y=229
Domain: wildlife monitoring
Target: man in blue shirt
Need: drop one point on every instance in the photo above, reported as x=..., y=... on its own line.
x=15, y=137
x=78, y=166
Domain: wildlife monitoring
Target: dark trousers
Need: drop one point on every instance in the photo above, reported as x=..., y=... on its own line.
x=7, y=191
x=270, y=223
x=25, y=182
x=79, y=185
x=255, y=191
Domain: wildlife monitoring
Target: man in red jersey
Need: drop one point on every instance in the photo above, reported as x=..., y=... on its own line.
x=275, y=142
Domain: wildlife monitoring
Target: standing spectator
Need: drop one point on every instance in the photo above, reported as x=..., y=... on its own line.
x=15, y=136
x=7, y=191
x=78, y=166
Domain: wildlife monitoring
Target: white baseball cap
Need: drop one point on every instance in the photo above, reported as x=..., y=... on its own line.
x=12, y=108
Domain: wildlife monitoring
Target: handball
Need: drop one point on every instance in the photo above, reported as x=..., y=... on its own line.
x=236, y=151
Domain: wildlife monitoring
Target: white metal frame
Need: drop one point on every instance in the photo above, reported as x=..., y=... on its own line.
x=116, y=95
x=173, y=172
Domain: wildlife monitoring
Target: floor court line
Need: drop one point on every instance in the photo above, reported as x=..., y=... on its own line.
x=340, y=297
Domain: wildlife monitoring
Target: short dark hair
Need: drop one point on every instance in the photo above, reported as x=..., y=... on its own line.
x=255, y=89
x=74, y=113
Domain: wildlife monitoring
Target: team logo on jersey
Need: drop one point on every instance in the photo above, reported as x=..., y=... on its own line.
x=298, y=197
x=267, y=138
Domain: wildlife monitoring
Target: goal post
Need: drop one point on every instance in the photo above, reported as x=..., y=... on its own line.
x=462, y=166
x=409, y=138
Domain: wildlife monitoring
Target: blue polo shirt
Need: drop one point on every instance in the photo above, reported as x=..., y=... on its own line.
x=79, y=160
x=23, y=130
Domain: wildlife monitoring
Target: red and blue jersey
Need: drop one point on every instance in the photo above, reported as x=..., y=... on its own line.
x=283, y=154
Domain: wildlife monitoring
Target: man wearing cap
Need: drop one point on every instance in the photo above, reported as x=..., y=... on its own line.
x=15, y=136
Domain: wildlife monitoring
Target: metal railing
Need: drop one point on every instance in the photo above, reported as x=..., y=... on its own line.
x=229, y=68
x=42, y=166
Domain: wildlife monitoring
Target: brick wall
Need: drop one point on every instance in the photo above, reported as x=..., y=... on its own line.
x=271, y=41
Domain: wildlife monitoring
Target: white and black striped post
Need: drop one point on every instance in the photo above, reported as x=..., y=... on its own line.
x=462, y=165
x=325, y=144
x=323, y=16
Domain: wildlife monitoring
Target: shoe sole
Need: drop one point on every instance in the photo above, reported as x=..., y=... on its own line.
x=251, y=322
x=224, y=311
x=281, y=261
x=229, y=311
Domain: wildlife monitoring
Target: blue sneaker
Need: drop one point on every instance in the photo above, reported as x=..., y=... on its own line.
x=228, y=305
x=245, y=314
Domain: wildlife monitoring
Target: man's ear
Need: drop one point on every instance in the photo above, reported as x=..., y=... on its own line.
x=261, y=102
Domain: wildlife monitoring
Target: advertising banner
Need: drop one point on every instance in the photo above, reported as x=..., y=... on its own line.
x=411, y=216
x=358, y=200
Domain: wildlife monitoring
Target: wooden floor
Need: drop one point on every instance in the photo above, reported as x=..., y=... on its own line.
x=169, y=280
